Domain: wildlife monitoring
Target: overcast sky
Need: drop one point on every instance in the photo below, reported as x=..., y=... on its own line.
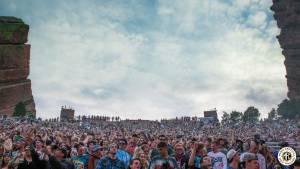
x=152, y=58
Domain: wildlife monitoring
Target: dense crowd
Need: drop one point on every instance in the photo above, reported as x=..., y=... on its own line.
x=140, y=144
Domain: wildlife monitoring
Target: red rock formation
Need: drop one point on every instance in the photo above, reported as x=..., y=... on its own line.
x=287, y=15
x=14, y=66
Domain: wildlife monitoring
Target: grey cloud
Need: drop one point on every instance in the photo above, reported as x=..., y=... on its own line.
x=152, y=60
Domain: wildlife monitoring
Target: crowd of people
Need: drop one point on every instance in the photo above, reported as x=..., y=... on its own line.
x=27, y=143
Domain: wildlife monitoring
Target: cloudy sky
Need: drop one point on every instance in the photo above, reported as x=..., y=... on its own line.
x=152, y=58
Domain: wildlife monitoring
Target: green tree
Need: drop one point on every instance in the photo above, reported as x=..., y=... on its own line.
x=251, y=114
x=20, y=110
x=289, y=109
x=273, y=114
x=30, y=114
x=235, y=116
x=225, y=117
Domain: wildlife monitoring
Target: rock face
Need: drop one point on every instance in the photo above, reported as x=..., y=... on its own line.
x=287, y=15
x=14, y=66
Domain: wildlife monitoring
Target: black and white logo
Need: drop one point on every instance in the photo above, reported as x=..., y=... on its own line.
x=287, y=156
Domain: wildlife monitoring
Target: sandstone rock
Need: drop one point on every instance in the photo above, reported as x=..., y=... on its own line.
x=287, y=15
x=14, y=66
x=14, y=62
x=14, y=56
x=13, y=75
x=291, y=53
x=10, y=94
x=13, y=30
x=289, y=39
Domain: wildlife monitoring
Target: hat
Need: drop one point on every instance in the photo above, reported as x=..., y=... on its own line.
x=122, y=141
x=230, y=154
x=18, y=138
x=112, y=145
x=97, y=147
x=247, y=157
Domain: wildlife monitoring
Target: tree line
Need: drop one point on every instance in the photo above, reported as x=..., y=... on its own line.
x=287, y=109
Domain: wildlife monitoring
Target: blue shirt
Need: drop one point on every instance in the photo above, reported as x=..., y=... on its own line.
x=81, y=162
x=124, y=156
x=197, y=162
x=108, y=163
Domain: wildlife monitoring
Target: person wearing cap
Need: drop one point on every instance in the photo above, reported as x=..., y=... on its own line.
x=122, y=154
x=111, y=161
x=233, y=159
x=96, y=155
x=18, y=146
x=163, y=160
x=254, y=148
x=219, y=160
x=249, y=161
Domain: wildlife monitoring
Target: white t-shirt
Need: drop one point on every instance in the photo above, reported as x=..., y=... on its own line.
x=262, y=161
x=219, y=160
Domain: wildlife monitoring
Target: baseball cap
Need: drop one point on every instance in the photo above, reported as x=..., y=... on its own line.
x=97, y=147
x=18, y=138
x=112, y=145
x=230, y=154
x=247, y=157
x=122, y=141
